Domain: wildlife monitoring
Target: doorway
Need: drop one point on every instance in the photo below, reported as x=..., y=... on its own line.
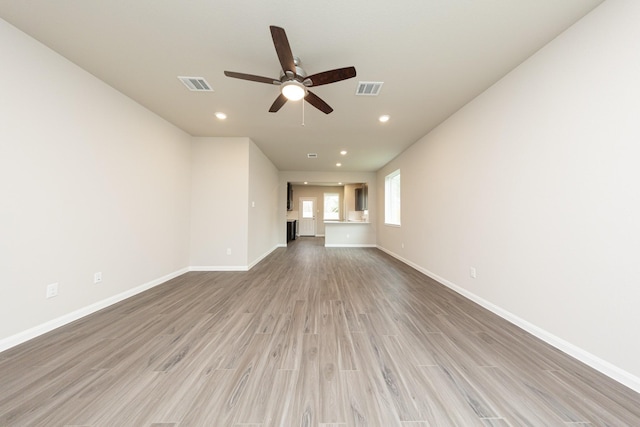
x=307, y=218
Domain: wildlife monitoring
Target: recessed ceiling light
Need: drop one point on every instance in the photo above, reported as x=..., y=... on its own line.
x=221, y=116
x=384, y=118
x=343, y=152
x=338, y=164
x=305, y=183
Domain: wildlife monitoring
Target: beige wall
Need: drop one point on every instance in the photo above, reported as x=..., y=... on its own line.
x=233, y=204
x=219, y=196
x=263, y=223
x=89, y=182
x=535, y=184
x=113, y=189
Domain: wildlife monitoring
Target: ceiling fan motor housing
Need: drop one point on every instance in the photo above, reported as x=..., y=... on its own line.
x=301, y=74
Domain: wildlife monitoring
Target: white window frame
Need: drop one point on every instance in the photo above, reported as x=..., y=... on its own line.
x=392, y=192
x=324, y=207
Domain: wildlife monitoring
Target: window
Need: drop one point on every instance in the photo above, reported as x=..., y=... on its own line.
x=392, y=198
x=331, y=206
x=307, y=209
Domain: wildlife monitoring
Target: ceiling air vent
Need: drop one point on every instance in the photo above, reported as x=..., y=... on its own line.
x=196, y=84
x=369, y=88
x=312, y=155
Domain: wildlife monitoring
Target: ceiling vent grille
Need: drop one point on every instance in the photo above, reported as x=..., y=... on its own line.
x=369, y=88
x=196, y=84
x=312, y=155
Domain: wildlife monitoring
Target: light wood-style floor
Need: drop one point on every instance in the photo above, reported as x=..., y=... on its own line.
x=312, y=336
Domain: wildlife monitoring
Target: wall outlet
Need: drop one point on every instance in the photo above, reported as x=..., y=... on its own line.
x=472, y=272
x=228, y=251
x=52, y=290
x=97, y=277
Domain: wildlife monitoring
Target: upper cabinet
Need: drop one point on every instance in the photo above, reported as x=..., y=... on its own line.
x=362, y=198
x=289, y=196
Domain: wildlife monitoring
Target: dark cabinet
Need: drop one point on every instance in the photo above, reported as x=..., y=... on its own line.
x=289, y=197
x=291, y=229
x=362, y=199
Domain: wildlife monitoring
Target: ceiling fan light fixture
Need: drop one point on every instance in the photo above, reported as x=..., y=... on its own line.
x=293, y=90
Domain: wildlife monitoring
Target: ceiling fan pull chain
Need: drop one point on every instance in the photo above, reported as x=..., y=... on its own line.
x=303, y=112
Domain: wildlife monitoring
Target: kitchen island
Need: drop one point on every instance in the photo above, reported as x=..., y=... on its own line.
x=349, y=234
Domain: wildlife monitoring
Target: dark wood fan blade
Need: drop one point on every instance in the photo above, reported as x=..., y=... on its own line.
x=252, y=78
x=278, y=103
x=315, y=100
x=283, y=49
x=331, y=76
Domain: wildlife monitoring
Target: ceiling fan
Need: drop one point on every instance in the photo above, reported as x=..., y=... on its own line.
x=293, y=81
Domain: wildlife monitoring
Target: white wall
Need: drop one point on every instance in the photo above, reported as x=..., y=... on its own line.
x=536, y=184
x=228, y=174
x=219, y=200
x=89, y=182
x=262, y=204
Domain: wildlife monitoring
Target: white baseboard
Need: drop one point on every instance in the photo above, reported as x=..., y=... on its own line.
x=350, y=245
x=572, y=350
x=49, y=326
x=235, y=267
x=263, y=256
x=36, y=331
x=219, y=268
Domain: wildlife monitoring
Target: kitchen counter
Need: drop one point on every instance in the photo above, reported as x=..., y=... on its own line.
x=347, y=222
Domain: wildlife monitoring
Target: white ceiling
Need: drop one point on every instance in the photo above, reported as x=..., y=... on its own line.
x=433, y=56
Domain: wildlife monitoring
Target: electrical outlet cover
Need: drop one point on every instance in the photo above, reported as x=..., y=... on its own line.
x=52, y=290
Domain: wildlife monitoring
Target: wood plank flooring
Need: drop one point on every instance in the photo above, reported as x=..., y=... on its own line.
x=312, y=336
